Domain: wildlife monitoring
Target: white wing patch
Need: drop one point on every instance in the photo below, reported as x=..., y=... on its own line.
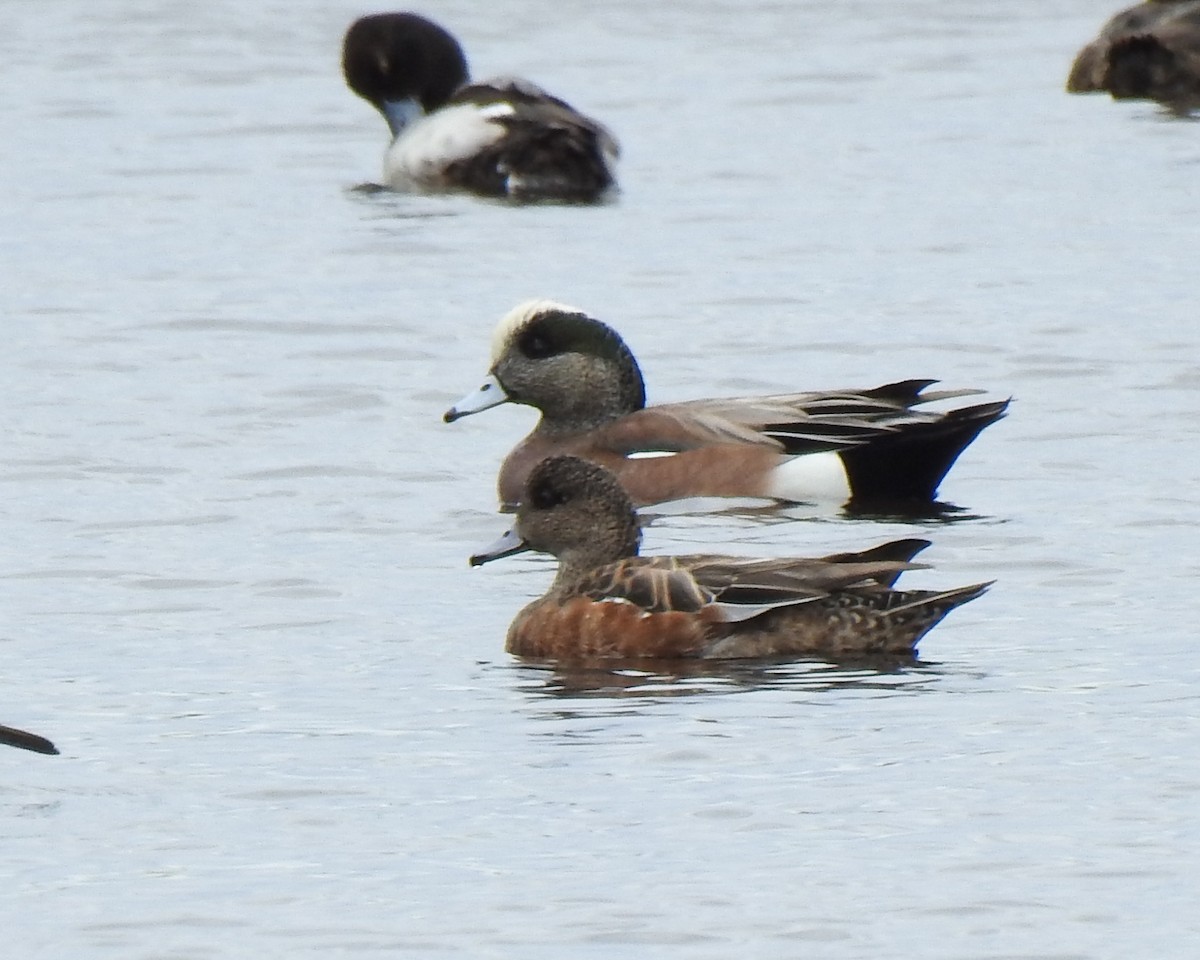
x=651, y=454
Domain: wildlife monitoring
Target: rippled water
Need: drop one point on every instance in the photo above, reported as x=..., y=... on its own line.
x=233, y=562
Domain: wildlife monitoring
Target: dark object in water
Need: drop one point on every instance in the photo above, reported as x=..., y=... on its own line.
x=25, y=740
x=1148, y=52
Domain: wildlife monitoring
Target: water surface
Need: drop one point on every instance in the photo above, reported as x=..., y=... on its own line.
x=233, y=571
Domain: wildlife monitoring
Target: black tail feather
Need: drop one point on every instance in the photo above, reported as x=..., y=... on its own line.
x=907, y=466
x=903, y=393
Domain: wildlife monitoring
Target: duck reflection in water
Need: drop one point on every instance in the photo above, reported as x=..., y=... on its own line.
x=635, y=680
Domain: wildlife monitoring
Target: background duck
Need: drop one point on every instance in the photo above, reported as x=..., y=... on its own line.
x=865, y=447
x=501, y=138
x=26, y=740
x=606, y=601
x=1148, y=52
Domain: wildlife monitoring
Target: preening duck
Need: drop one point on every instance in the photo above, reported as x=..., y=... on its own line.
x=500, y=138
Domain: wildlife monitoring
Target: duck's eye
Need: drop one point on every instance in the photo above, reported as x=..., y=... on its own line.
x=545, y=495
x=537, y=346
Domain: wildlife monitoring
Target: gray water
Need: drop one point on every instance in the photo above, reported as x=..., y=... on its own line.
x=234, y=531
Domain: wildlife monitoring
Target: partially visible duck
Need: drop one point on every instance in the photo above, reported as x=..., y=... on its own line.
x=1148, y=52
x=606, y=601
x=502, y=138
x=865, y=447
x=25, y=740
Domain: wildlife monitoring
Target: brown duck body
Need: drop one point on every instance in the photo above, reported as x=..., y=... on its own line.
x=718, y=469
x=1149, y=52
x=606, y=601
x=857, y=619
x=865, y=447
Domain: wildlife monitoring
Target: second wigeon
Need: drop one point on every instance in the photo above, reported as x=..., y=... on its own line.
x=607, y=601
x=1148, y=52
x=861, y=447
x=501, y=138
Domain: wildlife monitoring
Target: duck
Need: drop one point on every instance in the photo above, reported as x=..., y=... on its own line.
x=1149, y=52
x=607, y=601
x=867, y=449
x=503, y=138
x=26, y=740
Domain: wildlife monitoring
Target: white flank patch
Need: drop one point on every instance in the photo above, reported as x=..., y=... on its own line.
x=813, y=476
x=511, y=323
x=418, y=156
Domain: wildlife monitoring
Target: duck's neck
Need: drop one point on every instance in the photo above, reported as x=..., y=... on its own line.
x=610, y=545
x=602, y=393
x=401, y=113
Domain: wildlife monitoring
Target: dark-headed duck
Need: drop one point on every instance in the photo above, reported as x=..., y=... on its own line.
x=606, y=601
x=1148, y=52
x=862, y=447
x=501, y=138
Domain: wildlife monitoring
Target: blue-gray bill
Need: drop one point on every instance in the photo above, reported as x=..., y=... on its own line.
x=506, y=546
x=491, y=394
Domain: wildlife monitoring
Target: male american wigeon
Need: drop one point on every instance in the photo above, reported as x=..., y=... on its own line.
x=1148, y=52
x=25, y=740
x=858, y=446
x=606, y=601
x=503, y=138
